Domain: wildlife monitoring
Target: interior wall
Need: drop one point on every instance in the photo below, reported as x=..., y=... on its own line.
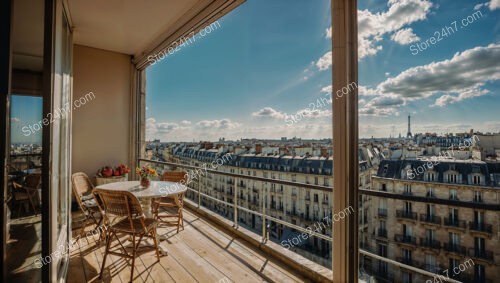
x=100, y=130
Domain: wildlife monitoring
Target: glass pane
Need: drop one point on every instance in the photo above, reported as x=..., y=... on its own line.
x=257, y=107
x=23, y=240
x=24, y=202
x=61, y=113
x=428, y=77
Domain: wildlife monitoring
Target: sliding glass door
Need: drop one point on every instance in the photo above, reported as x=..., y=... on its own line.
x=60, y=151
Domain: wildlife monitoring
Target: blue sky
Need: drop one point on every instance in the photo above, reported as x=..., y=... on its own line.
x=268, y=61
x=25, y=111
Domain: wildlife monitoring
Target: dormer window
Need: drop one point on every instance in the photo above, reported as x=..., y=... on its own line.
x=453, y=194
x=384, y=188
x=407, y=189
x=476, y=179
x=478, y=196
x=430, y=192
x=386, y=167
x=452, y=178
x=431, y=176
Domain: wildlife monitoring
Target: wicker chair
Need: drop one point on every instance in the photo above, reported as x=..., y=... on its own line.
x=176, y=201
x=27, y=192
x=129, y=219
x=82, y=189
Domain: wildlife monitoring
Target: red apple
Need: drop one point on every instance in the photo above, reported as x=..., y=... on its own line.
x=107, y=171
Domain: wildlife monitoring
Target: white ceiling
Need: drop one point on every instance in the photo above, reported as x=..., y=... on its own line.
x=125, y=26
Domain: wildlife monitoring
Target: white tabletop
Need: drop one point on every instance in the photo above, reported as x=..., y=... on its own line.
x=155, y=190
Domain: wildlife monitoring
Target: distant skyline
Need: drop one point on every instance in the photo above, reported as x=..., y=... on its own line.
x=271, y=59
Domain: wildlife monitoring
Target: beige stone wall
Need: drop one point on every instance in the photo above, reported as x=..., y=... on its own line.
x=395, y=226
x=100, y=133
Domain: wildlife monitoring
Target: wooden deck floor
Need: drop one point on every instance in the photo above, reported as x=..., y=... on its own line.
x=200, y=253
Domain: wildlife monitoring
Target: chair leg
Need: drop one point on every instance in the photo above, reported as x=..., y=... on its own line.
x=19, y=209
x=108, y=243
x=134, y=246
x=82, y=230
x=180, y=221
x=32, y=205
x=155, y=240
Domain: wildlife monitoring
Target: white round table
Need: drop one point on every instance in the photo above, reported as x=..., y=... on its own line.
x=145, y=195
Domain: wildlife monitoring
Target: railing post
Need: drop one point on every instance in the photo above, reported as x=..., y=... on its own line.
x=263, y=194
x=199, y=191
x=235, y=203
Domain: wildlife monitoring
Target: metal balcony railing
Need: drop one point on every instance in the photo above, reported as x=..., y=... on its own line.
x=429, y=243
x=382, y=233
x=202, y=199
x=482, y=227
x=482, y=254
x=453, y=222
x=455, y=248
x=382, y=212
x=429, y=218
x=405, y=239
x=406, y=214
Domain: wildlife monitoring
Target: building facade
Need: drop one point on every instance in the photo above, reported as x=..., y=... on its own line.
x=439, y=215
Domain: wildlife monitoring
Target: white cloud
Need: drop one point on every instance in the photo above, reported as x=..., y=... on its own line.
x=14, y=120
x=325, y=61
x=372, y=26
x=369, y=110
x=465, y=94
x=387, y=101
x=154, y=128
x=384, y=105
x=328, y=32
x=492, y=5
x=459, y=78
x=366, y=91
x=327, y=89
x=269, y=112
x=465, y=71
x=405, y=36
x=222, y=124
x=316, y=113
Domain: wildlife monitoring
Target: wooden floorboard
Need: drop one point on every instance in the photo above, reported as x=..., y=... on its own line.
x=199, y=253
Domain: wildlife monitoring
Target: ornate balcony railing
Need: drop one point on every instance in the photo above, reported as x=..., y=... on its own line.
x=455, y=248
x=453, y=222
x=481, y=227
x=429, y=218
x=406, y=214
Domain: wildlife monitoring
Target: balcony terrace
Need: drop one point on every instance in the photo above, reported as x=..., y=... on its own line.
x=431, y=244
x=405, y=239
x=201, y=250
x=481, y=254
x=430, y=219
x=454, y=248
x=481, y=227
x=406, y=215
x=455, y=223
